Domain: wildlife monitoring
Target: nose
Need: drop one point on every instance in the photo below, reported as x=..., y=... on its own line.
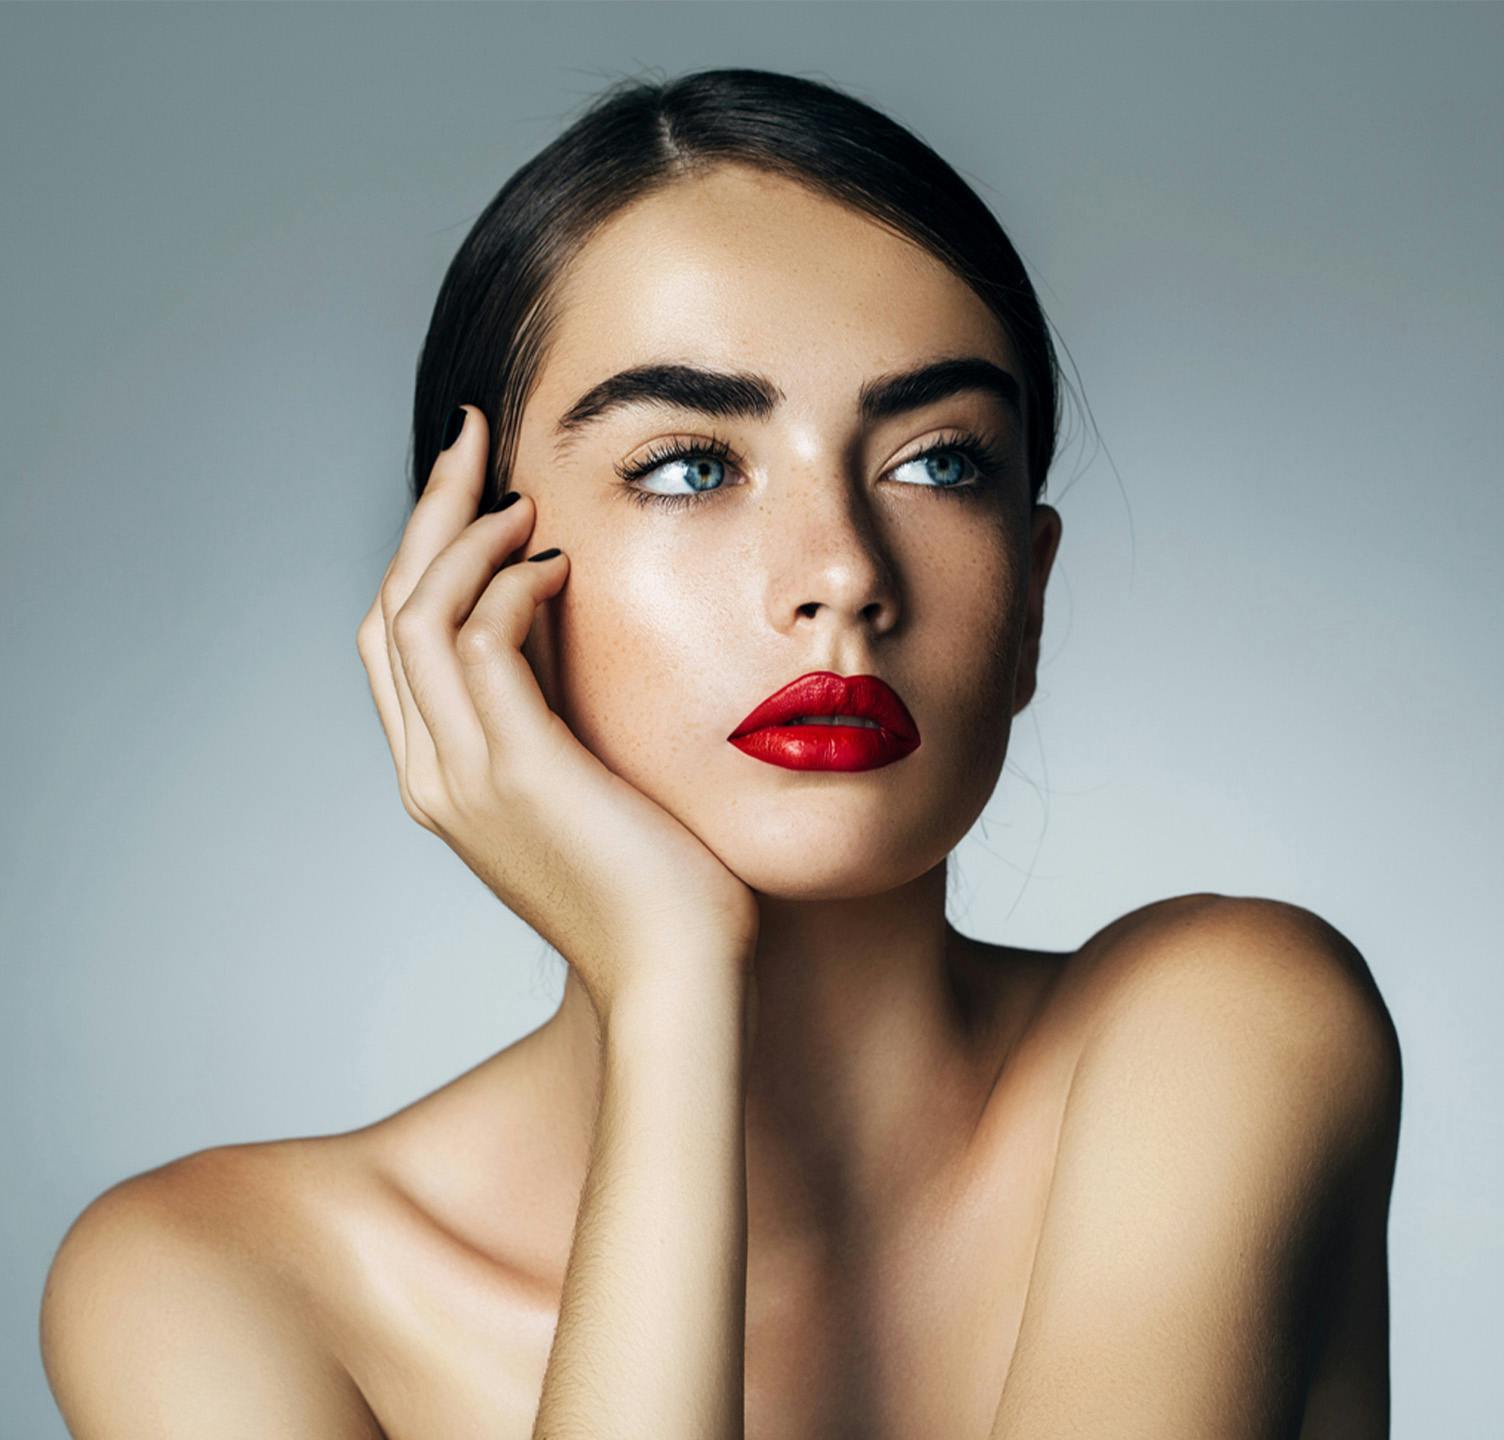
x=829, y=560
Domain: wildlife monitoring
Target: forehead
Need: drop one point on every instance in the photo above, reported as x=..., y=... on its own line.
x=742, y=270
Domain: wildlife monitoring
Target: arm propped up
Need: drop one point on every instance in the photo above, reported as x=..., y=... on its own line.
x=652, y=1322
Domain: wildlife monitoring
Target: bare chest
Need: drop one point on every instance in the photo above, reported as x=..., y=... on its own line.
x=911, y=1339
x=438, y=1313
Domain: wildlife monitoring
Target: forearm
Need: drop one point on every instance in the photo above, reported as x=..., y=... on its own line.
x=651, y=1330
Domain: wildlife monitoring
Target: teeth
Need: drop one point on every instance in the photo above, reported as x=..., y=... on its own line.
x=835, y=720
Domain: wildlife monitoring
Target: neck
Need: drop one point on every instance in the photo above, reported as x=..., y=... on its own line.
x=875, y=1038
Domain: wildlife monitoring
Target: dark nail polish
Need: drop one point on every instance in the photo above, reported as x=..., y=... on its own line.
x=545, y=554
x=456, y=424
x=508, y=498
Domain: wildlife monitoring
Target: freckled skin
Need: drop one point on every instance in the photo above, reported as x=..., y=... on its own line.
x=675, y=623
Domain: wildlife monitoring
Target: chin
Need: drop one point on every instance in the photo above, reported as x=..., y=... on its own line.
x=791, y=854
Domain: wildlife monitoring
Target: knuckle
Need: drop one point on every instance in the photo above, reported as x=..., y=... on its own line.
x=477, y=641
x=390, y=596
x=415, y=811
x=429, y=797
x=367, y=633
x=408, y=626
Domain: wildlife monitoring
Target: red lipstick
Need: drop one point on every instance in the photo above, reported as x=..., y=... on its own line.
x=770, y=732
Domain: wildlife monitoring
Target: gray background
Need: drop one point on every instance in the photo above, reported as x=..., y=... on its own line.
x=1268, y=237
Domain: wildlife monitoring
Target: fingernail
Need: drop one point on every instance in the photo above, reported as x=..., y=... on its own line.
x=456, y=424
x=545, y=554
x=508, y=498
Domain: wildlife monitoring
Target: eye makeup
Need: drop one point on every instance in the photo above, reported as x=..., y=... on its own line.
x=983, y=454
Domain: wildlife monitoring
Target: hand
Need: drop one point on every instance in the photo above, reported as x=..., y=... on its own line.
x=616, y=884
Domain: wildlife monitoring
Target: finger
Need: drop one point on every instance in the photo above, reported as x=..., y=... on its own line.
x=427, y=626
x=448, y=503
x=507, y=699
x=370, y=641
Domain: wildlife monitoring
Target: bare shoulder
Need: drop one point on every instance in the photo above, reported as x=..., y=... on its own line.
x=1264, y=993
x=1223, y=1165
x=168, y=1308
x=1263, y=959
x=1268, y=1001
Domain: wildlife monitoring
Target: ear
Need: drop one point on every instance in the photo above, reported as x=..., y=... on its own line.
x=1044, y=543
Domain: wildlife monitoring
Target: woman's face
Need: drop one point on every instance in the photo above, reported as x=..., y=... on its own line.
x=818, y=543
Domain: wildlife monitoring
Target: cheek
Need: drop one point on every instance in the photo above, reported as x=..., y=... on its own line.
x=639, y=669
x=974, y=724
x=971, y=612
x=651, y=664
x=972, y=619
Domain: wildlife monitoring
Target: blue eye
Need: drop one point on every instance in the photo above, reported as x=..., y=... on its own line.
x=949, y=475
x=705, y=461
x=708, y=457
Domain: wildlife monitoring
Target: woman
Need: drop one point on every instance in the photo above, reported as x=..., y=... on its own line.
x=794, y=1157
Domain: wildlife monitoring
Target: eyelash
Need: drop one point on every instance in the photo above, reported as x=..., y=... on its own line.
x=982, y=452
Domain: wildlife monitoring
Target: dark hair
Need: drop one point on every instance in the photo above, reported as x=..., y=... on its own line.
x=495, y=311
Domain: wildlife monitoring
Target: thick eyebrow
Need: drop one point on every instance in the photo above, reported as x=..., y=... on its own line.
x=743, y=395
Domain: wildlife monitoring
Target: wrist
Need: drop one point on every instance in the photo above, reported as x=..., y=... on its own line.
x=709, y=1006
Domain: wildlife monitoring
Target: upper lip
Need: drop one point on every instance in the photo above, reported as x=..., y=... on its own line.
x=823, y=692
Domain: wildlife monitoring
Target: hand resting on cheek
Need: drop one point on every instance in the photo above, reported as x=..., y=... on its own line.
x=628, y=894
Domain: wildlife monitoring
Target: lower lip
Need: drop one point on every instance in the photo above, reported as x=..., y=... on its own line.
x=825, y=747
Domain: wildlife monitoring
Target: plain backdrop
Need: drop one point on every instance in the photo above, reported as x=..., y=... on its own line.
x=1268, y=237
